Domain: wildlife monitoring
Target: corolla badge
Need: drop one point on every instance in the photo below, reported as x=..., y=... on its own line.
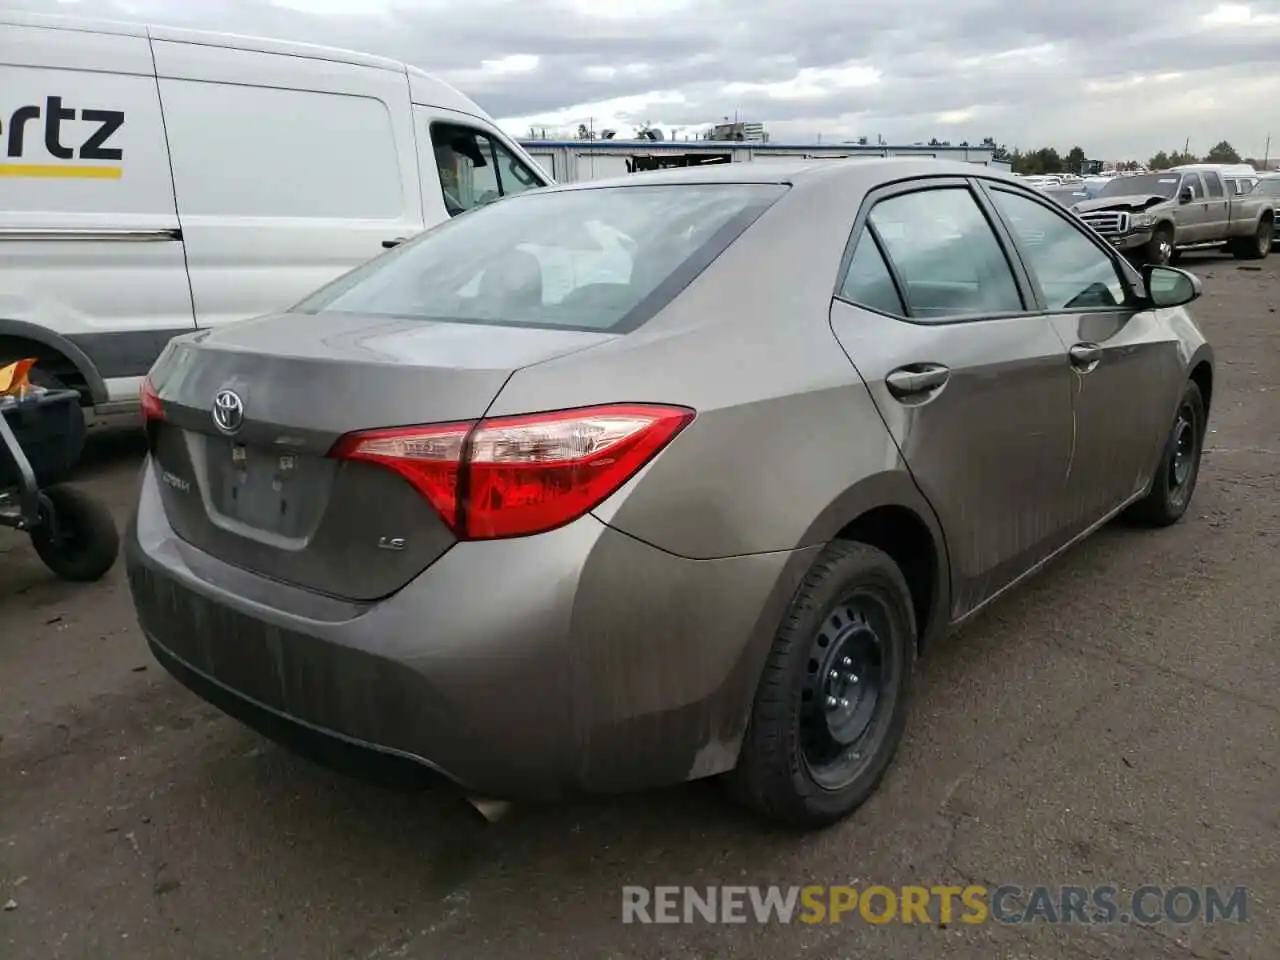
x=228, y=411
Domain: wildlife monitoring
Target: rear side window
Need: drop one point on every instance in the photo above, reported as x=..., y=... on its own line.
x=475, y=168
x=602, y=259
x=1270, y=186
x=1213, y=184
x=868, y=282
x=946, y=254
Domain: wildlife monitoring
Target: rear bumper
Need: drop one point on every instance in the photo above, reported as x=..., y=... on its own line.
x=579, y=660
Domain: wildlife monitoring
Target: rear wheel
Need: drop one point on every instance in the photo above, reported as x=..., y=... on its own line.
x=1175, y=480
x=77, y=538
x=832, y=702
x=1257, y=246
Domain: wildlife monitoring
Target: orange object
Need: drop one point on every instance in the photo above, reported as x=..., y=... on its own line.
x=13, y=378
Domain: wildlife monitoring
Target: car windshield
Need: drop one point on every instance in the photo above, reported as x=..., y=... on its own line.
x=1145, y=184
x=593, y=259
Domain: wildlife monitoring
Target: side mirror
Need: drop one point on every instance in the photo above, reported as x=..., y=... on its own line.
x=1169, y=286
x=1185, y=195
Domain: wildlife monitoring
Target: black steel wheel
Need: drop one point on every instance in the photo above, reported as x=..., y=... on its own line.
x=1175, y=478
x=841, y=701
x=77, y=537
x=831, y=706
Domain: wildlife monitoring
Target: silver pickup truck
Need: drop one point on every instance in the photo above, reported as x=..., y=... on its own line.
x=1152, y=217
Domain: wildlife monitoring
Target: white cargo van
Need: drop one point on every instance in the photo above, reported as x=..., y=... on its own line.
x=156, y=180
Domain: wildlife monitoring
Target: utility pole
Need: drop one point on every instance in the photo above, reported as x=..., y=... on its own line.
x=1266, y=153
x=1186, y=149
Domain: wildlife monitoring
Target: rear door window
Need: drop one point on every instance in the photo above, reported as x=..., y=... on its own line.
x=1213, y=183
x=946, y=254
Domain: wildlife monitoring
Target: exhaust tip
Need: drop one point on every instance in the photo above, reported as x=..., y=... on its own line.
x=491, y=810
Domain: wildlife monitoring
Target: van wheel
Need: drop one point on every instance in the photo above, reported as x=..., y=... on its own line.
x=832, y=702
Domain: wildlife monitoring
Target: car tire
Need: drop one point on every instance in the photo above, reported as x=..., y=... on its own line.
x=831, y=706
x=1256, y=247
x=1175, y=479
x=1160, y=249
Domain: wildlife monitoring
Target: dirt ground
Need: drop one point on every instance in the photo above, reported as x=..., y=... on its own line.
x=1117, y=721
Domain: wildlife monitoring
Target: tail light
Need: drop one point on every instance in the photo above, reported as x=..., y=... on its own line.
x=514, y=476
x=152, y=408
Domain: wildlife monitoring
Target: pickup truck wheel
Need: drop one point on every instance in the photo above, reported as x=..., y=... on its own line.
x=1257, y=246
x=1159, y=249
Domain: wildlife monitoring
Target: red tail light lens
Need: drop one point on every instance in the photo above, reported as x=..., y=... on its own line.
x=152, y=408
x=515, y=476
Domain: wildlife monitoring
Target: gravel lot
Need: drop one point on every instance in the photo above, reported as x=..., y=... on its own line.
x=1116, y=721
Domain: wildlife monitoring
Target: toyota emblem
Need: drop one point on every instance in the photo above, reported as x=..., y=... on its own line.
x=228, y=411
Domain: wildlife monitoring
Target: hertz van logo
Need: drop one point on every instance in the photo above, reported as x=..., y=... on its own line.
x=22, y=131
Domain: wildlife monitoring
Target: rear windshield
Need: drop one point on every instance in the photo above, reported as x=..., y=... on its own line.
x=602, y=259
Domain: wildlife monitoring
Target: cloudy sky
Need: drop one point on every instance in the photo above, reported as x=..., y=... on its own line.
x=1122, y=78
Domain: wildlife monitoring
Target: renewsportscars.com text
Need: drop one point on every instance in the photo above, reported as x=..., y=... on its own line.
x=1146, y=905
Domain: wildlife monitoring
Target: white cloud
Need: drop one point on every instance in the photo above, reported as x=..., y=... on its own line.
x=1121, y=78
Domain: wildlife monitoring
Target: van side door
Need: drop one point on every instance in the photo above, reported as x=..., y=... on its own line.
x=289, y=170
x=91, y=260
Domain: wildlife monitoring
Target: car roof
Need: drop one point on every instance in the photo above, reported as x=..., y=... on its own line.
x=800, y=172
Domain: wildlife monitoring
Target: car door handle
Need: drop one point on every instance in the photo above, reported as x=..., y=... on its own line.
x=1085, y=356
x=389, y=244
x=915, y=379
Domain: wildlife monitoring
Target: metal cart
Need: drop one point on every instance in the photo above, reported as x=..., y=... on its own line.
x=41, y=437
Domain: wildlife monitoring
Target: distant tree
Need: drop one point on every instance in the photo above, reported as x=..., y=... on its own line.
x=585, y=133
x=1177, y=158
x=1222, y=153
x=608, y=134
x=862, y=141
x=1075, y=160
x=1160, y=161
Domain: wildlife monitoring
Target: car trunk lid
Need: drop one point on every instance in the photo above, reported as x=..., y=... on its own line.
x=254, y=486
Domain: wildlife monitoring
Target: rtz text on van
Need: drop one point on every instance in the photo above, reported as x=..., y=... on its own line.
x=94, y=147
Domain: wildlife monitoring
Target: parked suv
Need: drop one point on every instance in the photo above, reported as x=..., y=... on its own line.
x=1154, y=216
